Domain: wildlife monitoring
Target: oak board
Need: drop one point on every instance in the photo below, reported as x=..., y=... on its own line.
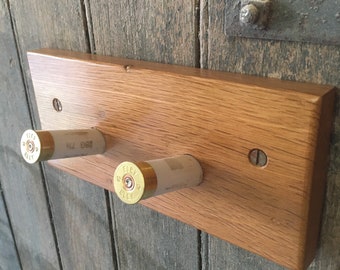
x=150, y=110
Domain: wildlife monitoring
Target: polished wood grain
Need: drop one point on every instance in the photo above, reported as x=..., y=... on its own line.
x=163, y=31
x=150, y=110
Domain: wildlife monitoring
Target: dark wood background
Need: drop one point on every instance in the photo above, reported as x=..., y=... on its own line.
x=51, y=220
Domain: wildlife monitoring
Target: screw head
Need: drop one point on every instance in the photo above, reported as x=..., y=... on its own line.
x=57, y=105
x=258, y=158
x=249, y=14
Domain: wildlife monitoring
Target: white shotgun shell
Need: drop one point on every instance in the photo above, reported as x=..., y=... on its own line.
x=40, y=145
x=137, y=181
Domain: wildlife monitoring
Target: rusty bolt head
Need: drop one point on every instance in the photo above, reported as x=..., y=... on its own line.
x=249, y=14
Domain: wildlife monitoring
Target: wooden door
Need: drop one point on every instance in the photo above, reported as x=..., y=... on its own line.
x=51, y=220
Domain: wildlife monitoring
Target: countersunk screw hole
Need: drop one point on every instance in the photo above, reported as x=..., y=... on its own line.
x=258, y=158
x=57, y=105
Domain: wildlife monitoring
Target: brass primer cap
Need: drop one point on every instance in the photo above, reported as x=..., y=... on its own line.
x=134, y=181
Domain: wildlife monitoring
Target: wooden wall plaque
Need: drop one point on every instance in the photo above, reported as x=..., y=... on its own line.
x=149, y=110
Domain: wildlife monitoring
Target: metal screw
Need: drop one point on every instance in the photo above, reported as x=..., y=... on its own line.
x=249, y=14
x=127, y=68
x=57, y=105
x=258, y=158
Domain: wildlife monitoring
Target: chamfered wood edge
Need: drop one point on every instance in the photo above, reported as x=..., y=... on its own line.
x=318, y=182
x=264, y=83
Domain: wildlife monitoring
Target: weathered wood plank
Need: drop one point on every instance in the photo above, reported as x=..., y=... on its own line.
x=161, y=32
x=81, y=221
x=284, y=60
x=148, y=240
x=8, y=255
x=234, y=258
x=145, y=30
x=84, y=239
x=22, y=185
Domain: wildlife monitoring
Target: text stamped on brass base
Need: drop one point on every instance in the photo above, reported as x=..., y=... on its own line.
x=262, y=143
